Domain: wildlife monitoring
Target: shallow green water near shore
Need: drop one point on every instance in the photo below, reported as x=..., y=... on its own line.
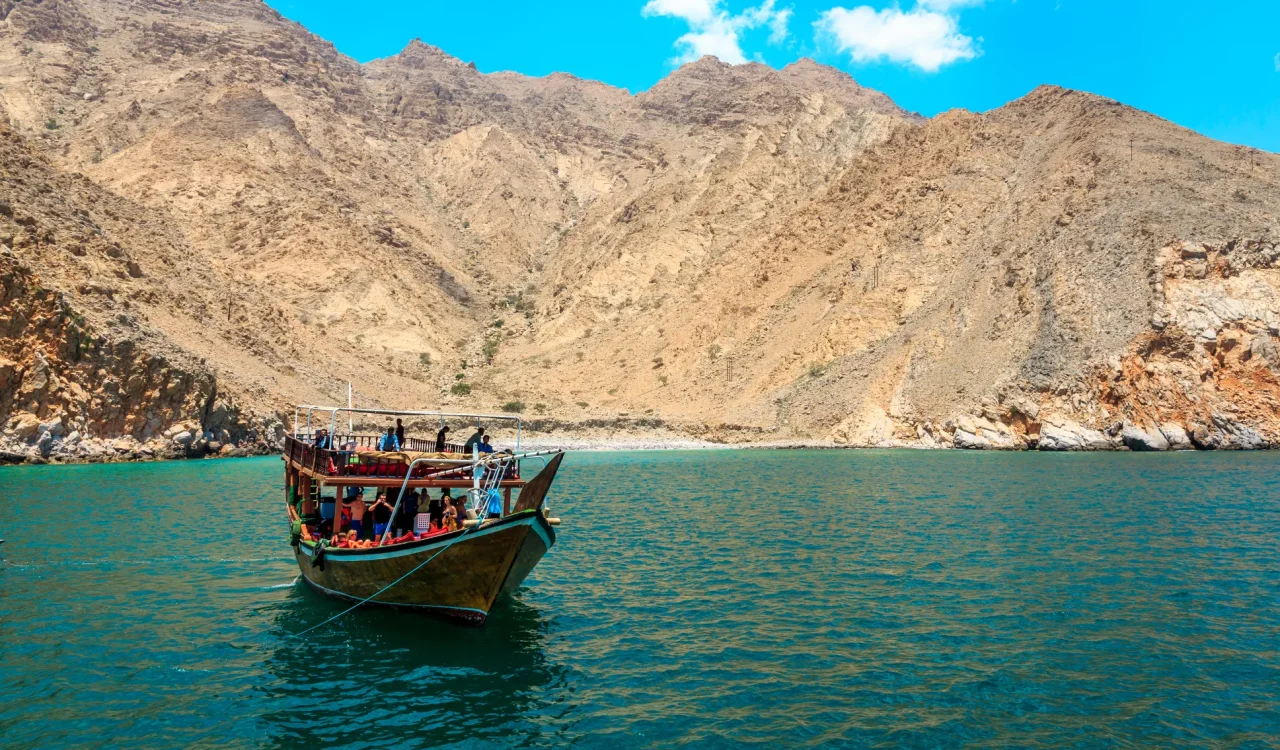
x=700, y=599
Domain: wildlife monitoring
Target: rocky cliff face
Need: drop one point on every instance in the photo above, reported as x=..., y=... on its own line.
x=248, y=219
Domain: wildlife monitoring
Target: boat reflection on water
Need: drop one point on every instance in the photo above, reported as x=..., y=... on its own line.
x=383, y=677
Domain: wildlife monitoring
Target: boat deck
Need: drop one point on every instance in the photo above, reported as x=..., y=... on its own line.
x=367, y=468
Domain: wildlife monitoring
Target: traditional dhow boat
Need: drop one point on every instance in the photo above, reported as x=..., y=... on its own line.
x=454, y=569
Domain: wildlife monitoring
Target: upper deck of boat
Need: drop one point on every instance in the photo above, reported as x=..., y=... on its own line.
x=354, y=462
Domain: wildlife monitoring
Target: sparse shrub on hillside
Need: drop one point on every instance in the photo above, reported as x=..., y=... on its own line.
x=498, y=323
x=460, y=376
x=424, y=359
x=662, y=379
x=540, y=408
x=713, y=351
x=466, y=225
x=490, y=350
x=51, y=125
x=461, y=389
x=515, y=407
x=816, y=370
x=583, y=404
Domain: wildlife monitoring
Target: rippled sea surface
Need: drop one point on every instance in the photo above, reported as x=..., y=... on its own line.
x=698, y=599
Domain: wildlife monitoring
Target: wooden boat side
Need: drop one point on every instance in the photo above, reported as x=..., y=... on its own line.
x=461, y=581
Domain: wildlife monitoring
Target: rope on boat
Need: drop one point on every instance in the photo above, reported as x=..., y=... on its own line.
x=389, y=585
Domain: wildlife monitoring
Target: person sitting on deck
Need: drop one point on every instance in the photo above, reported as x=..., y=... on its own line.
x=381, y=515
x=323, y=439
x=353, y=510
x=441, y=437
x=484, y=445
x=388, y=442
x=475, y=439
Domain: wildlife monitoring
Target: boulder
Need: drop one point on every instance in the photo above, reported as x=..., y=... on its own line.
x=184, y=438
x=966, y=440
x=1177, y=437
x=1225, y=433
x=23, y=426
x=1138, y=439
x=1070, y=436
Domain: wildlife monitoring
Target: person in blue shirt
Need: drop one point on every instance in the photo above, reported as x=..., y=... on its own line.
x=494, y=507
x=484, y=446
x=388, y=442
x=476, y=439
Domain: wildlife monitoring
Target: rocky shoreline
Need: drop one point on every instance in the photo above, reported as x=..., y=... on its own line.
x=968, y=434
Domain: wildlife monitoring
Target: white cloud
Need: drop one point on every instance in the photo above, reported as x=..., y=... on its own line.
x=714, y=31
x=926, y=36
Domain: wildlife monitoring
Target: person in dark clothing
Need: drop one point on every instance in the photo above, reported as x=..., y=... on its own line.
x=400, y=433
x=323, y=439
x=475, y=439
x=435, y=509
x=408, y=511
x=441, y=437
x=381, y=511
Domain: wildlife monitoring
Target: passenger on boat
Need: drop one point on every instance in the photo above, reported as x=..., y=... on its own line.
x=381, y=514
x=435, y=510
x=323, y=439
x=388, y=442
x=484, y=446
x=449, y=519
x=408, y=511
x=460, y=509
x=353, y=510
x=400, y=432
x=476, y=438
x=441, y=437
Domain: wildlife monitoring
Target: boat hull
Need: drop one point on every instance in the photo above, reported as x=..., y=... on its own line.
x=457, y=575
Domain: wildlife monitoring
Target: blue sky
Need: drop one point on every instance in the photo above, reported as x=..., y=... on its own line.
x=1210, y=66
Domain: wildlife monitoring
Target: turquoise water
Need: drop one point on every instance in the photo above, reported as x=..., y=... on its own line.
x=697, y=599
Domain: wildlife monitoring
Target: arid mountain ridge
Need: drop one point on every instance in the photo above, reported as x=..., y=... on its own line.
x=209, y=214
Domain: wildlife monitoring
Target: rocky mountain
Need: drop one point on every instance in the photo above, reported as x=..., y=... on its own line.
x=208, y=214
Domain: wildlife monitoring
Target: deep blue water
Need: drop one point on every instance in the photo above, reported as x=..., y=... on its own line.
x=695, y=599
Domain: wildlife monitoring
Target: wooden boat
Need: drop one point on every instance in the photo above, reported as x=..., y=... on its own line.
x=457, y=574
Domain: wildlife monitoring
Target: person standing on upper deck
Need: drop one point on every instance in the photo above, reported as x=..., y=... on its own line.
x=476, y=438
x=388, y=442
x=441, y=437
x=400, y=432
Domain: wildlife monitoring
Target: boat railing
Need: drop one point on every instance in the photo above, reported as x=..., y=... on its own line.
x=372, y=441
x=342, y=462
